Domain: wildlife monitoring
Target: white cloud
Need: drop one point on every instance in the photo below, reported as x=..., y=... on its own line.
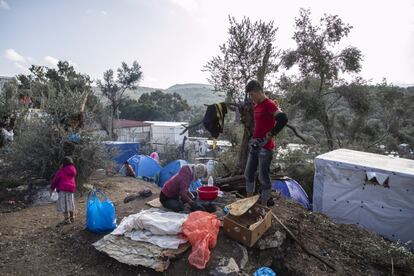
x=21, y=67
x=4, y=5
x=189, y=5
x=73, y=64
x=103, y=13
x=12, y=55
x=51, y=61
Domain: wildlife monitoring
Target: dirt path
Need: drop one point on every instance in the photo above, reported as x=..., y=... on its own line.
x=31, y=244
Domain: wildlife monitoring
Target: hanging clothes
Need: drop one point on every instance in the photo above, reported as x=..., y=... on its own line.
x=213, y=119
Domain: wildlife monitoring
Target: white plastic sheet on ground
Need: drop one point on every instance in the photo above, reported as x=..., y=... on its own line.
x=155, y=220
x=149, y=238
x=154, y=226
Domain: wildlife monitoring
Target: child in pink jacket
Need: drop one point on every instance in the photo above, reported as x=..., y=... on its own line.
x=64, y=183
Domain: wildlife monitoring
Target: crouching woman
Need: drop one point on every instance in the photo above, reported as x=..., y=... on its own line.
x=175, y=192
x=64, y=183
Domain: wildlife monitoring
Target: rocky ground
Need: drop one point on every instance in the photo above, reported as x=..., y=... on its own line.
x=30, y=243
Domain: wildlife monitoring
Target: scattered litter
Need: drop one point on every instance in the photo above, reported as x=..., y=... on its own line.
x=155, y=203
x=141, y=194
x=241, y=206
x=264, y=271
x=201, y=229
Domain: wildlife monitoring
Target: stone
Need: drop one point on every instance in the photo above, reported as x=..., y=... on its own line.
x=274, y=240
x=227, y=267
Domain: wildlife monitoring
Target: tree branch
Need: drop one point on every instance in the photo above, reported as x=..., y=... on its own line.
x=296, y=132
x=190, y=127
x=334, y=101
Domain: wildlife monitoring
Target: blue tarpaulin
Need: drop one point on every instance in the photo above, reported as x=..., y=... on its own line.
x=123, y=150
x=292, y=189
x=170, y=170
x=144, y=167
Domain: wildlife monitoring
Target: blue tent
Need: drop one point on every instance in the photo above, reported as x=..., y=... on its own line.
x=144, y=166
x=123, y=150
x=170, y=170
x=292, y=189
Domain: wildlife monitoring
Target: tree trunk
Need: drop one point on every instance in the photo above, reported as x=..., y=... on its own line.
x=247, y=113
x=113, y=125
x=327, y=129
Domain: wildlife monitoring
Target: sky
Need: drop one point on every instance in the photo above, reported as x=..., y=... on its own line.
x=173, y=39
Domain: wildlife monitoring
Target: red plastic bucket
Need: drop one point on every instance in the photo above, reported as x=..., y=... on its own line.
x=208, y=192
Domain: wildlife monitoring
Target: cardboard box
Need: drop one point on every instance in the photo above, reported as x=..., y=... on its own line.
x=250, y=226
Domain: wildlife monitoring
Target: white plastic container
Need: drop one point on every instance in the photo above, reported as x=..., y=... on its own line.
x=210, y=181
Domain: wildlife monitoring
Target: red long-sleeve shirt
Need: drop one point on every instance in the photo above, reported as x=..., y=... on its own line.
x=177, y=186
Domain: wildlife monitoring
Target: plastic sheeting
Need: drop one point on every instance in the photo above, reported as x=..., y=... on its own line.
x=155, y=220
x=136, y=253
x=201, y=229
x=344, y=190
x=154, y=226
x=170, y=170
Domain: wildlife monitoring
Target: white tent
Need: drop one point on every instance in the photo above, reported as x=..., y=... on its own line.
x=370, y=190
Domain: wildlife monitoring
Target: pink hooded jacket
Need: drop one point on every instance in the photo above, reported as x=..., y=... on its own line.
x=64, y=179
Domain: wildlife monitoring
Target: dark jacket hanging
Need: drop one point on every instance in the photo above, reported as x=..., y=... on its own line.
x=213, y=119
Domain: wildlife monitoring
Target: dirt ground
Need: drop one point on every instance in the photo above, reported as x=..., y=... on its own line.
x=31, y=244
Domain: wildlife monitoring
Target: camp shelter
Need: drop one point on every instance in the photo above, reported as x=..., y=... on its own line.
x=371, y=190
x=121, y=151
x=144, y=167
x=170, y=170
x=289, y=188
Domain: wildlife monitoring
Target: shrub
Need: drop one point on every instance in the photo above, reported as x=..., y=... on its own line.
x=39, y=148
x=298, y=165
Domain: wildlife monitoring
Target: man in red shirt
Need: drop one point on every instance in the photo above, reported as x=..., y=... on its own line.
x=269, y=120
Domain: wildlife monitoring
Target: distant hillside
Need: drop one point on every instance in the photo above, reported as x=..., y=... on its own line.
x=195, y=94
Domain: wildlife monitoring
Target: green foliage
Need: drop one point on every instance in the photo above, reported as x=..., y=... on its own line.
x=9, y=99
x=298, y=165
x=155, y=106
x=170, y=104
x=39, y=151
x=39, y=143
x=226, y=162
x=315, y=48
x=114, y=89
x=320, y=89
x=249, y=53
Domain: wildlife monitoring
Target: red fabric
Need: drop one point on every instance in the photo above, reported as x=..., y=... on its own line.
x=177, y=186
x=264, y=120
x=64, y=179
x=201, y=230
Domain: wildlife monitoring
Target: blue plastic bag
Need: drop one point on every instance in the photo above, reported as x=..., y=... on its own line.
x=194, y=185
x=100, y=215
x=264, y=271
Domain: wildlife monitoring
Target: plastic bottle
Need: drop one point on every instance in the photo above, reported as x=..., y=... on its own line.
x=210, y=181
